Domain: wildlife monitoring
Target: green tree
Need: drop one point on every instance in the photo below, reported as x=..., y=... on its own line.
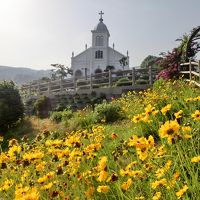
x=11, y=106
x=60, y=72
x=150, y=61
x=42, y=107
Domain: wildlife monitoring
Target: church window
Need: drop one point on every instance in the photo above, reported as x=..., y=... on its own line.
x=99, y=41
x=78, y=73
x=99, y=54
x=98, y=71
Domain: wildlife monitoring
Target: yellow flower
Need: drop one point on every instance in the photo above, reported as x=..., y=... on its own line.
x=187, y=136
x=186, y=128
x=6, y=185
x=156, y=196
x=165, y=109
x=102, y=176
x=137, y=118
x=189, y=99
x=176, y=175
x=102, y=163
x=103, y=188
x=26, y=193
x=181, y=192
x=40, y=166
x=161, y=171
x=47, y=186
x=197, y=98
x=178, y=114
x=169, y=130
x=149, y=109
x=161, y=182
x=195, y=159
x=126, y=185
x=142, y=153
x=196, y=115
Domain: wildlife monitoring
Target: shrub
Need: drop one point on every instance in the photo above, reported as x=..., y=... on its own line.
x=42, y=107
x=123, y=82
x=59, y=116
x=109, y=112
x=67, y=114
x=142, y=82
x=60, y=107
x=56, y=116
x=83, y=120
x=11, y=106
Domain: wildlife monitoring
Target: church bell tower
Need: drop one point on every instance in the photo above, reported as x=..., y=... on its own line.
x=100, y=44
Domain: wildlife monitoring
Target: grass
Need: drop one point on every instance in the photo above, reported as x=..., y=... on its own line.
x=153, y=153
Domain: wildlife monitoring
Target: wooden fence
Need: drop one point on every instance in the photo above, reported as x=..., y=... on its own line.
x=191, y=72
x=100, y=80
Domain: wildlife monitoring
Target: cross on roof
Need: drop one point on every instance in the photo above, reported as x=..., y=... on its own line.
x=101, y=13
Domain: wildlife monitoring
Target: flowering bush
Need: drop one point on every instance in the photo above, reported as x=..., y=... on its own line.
x=169, y=64
x=98, y=164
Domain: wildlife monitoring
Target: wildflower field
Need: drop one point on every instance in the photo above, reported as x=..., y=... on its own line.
x=152, y=153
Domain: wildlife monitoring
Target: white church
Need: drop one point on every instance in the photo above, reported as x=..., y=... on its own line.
x=99, y=57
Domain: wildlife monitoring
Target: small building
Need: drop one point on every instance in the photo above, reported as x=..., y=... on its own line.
x=100, y=56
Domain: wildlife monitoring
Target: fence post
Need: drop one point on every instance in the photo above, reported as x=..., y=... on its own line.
x=90, y=81
x=38, y=91
x=61, y=85
x=190, y=69
x=110, y=78
x=49, y=87
x=75, y=86
x=133, y=76
x=29, y=87
x=150, y=76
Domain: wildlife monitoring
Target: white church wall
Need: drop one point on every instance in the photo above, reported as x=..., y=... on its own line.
x=114, y=57
x=81, y=61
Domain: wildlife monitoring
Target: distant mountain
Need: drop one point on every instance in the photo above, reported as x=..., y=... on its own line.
x=22, y=75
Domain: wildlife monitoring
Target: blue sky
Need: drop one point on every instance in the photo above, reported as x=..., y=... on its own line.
x=36, y=33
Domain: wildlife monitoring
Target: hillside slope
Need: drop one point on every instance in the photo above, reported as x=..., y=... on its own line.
x=22, y=75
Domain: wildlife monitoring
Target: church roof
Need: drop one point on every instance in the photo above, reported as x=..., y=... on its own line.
x=101, y=27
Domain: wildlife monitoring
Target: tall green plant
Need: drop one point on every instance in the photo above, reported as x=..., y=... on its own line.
x=11, y=106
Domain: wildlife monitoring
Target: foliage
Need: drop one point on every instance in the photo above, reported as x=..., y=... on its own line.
x=60, y=72
x=82, y=120
x=114, y=161
x=42, y=107
x=56, y=116
x=150, y=61
x=142, y=81
x=123, y=61
x=109, y=67
x=109, y=112
x=169, y=64
x=59, y=116
x=170, y=61
x=123, y=82
x=11, y=106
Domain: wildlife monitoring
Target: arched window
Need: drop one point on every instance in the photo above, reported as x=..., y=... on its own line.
x=99, y=41
x=78, y=73
x=99, y=54
x=98, y=71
